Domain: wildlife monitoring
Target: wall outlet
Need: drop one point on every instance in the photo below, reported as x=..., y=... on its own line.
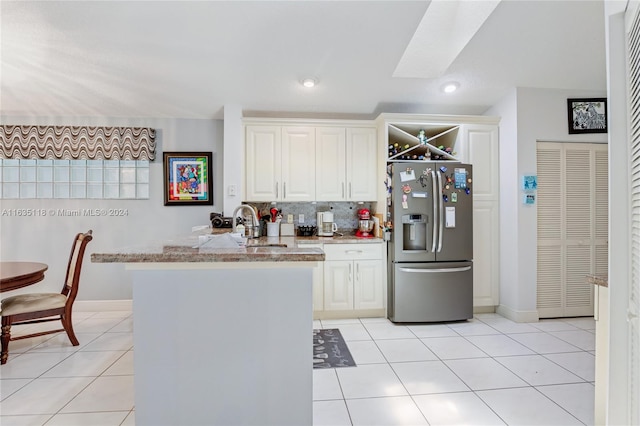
x=289, y=218
x=300, y=218
x=232, y=190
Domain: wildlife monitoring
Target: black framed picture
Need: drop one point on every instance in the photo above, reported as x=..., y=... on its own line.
x=187, y=178
x=587, y=115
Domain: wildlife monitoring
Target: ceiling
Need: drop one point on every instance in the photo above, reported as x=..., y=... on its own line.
x=188, y=59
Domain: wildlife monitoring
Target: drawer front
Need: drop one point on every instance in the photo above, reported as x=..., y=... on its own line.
x=352, y=251
x=305, y=245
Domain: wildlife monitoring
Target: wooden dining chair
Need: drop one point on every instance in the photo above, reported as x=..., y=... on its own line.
x=32, y=308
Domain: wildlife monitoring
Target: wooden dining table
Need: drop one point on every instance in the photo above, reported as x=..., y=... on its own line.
x=14, y=275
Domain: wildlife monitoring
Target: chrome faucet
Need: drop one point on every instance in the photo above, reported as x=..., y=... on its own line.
x=255, y=229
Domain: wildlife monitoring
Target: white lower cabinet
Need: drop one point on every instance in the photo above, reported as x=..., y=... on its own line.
x=368, y=287
x=318, y=282
x=338, y=285
x=354, y=278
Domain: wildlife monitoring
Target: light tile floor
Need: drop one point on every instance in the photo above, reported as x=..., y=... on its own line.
x=487, y=371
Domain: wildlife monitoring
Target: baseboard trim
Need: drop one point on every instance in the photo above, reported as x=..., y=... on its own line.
x=360, y=313
x=484, y=309
x=127, y=305
x=517, y=316
x=102, y=305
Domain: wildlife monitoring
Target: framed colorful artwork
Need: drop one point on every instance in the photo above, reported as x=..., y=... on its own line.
x=187, y=178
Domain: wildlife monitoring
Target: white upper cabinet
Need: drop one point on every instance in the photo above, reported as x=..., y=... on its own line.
x=362, y=164
x=298, y=164
x=280, y=164
x=263, y=162
x=331, y=171
x=346, y=164
x=480, y=148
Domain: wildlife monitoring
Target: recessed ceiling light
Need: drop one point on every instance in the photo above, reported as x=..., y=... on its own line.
x=309, y=82
x=450, y=87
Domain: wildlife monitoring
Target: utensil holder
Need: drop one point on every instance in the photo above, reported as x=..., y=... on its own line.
x=273, y=229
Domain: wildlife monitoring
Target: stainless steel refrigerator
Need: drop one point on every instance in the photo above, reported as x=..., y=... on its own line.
x=430, y=252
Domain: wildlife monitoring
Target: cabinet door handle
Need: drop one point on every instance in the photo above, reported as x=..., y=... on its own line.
x=353, y=252
x=342, y=189
x=357, y=272
x=276, y=189
x=350, y=191
x=350, y=273
x=284, y=190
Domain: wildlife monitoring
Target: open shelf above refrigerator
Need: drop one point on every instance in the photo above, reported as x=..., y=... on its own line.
x=408, y=141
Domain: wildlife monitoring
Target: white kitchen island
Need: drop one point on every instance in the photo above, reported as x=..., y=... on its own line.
x=221, y=337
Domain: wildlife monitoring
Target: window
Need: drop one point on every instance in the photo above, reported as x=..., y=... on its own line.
x=93, y=179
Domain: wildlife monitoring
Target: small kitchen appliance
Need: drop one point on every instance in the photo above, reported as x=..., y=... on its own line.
x=306, y=231
x=326, y=226
x=219, y=221
x=365, y=224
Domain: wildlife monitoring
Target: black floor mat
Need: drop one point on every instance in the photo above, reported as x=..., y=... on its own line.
x=330, y=349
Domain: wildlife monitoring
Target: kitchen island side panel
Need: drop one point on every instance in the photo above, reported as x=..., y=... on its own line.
x=223, y=347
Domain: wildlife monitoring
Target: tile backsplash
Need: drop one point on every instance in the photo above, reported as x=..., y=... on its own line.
x=345, y=214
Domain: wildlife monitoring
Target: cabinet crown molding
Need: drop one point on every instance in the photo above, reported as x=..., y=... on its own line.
x=437, y=118
x=247, y=121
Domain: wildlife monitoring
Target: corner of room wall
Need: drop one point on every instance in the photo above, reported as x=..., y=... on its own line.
x=536, y=106
x=506, y=109
x=523, y=111
x=233, y=154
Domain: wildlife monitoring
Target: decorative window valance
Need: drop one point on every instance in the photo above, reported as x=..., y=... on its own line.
x=77, y=143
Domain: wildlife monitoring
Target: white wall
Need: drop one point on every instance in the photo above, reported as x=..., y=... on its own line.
x=233, y=158
x=540, y=115
x=620, y=353
x=48, y=239
x=506, y=110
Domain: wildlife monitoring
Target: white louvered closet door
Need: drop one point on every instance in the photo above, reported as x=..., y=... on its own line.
x=633, y=309
x=572, y=226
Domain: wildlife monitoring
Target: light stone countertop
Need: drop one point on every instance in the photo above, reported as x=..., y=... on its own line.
x=601, y=280
x=185, y=249
x=263, y=249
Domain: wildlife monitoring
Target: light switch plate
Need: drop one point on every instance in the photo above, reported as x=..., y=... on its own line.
x=289, y=218
x=300, y=218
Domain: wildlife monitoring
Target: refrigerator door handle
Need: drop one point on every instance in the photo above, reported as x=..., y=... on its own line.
x=441, y=215
x=434, y=234
x=465, y=268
